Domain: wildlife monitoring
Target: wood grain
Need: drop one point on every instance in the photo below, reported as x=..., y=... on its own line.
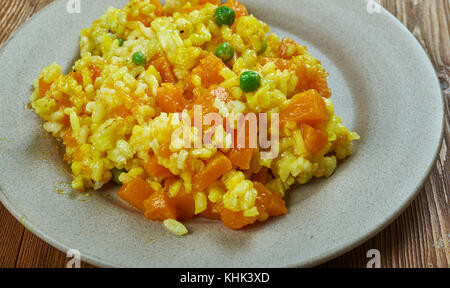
x=418, y=238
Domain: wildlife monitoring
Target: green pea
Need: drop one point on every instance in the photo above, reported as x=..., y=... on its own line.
x=224, y=16
x=139, y=59
x=250, y=81
x=120, y=42
x=116, y=173
x=225, y=51
x=263, y=47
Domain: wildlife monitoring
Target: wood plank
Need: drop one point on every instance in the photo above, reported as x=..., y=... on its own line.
x=419, y=237
x=10, y=238
x=36, y=253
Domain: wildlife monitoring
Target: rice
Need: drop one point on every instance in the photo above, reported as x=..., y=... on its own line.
x=109, y=112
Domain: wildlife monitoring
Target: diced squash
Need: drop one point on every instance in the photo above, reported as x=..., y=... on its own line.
x=136, y=192
x=77, y=76
x=209, y=70
x=221, y=93
x=164, y=68
x=212, y=171
x=159, y=207
x=235, y=220
x=262, y=176
x=311, y=78
x=120, y=111
x=156, y=170
x=204, y=98
x=307, y=107
x=65, y=101
x=78, y=155
x=268, y=201
x=212, y=211
x=159, y=7
x=95, y=72
x=66, y=120
x=287, y=48
x=185, y=205
x=146, y=19
x=43, y=87
x=215, y=2
x=241, y=157
x=69, y=140
x=315, y=139
x=239, y=8
x=164, y=149
x=170, y=98
x=308, y=77
x=282, y=64
x=184, y=202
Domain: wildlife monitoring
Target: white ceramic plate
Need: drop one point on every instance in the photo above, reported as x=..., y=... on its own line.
x=384, y=87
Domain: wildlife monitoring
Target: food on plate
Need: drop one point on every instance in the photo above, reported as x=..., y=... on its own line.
x=143, y=72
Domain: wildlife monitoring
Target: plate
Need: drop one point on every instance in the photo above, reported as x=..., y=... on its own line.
x=384, y=87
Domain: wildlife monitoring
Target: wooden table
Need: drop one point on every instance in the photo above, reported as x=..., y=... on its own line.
x=418, y=238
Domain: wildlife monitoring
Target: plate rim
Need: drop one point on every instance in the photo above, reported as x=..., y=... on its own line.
x=316, y=260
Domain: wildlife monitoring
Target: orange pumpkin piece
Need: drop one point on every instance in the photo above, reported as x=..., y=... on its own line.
x=95, y=72
x=221, y=93
x=77, y=76
x=215, y=2
x=315, y=139
x=212, y=211
x=308, y=78
x=282, y=64
x=164, y=149
x=209, y=70
x=262, y=176
x=120, y=111
x=268, y=201
x=239, y=8
x=159, y=8
x=159, y=207
x=241, y=157
x=185, y=205
x=235, y=220
x=78, y=155
x=184, y=202
x=156, y=170
x=43, y=87
x=307, y=107
x=287, y=48
x=212, y=171
x=135, y=192
x=164, y=68
x=65, y=101
x=145, y=19
x=204, y=98
x=66, y=120
x=170, y=98
x=69, y=140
